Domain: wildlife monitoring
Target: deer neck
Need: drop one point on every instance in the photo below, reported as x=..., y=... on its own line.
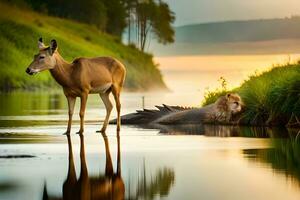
x=62, y=71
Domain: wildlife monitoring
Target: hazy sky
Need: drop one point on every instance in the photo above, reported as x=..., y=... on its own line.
x=197, y=11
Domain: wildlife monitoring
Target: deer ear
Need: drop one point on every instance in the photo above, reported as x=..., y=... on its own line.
x=53, y=46
x=228, y=95
x=41, y=44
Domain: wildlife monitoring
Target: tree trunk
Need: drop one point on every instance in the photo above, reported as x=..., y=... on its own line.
x=129, y=27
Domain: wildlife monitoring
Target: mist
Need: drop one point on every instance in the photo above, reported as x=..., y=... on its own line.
x=201, y=11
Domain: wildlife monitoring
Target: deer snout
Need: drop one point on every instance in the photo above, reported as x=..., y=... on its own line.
x=28, y=71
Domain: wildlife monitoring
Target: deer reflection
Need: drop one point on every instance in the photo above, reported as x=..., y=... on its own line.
x=109, y=186
x=71, y=182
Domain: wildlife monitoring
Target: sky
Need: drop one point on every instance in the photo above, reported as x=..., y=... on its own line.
x=200, y=11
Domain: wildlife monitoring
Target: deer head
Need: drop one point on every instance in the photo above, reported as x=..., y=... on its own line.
x=44, y=59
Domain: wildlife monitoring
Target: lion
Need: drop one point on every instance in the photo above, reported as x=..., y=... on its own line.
x=221, y=111
x=225, y=107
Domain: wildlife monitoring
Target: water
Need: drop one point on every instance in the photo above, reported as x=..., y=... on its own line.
x=164, y=162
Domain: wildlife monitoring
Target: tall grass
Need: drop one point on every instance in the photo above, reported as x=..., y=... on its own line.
x=270, y=98
x=20, y=29
x=211, y=96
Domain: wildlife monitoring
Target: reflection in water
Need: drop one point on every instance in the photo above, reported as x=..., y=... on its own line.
x=284, y=157
x=19, y=177
x=107, y=186
x=27, y=103
x=160, y=185
x=216, y=130
x=110, y=185
x=55, y=101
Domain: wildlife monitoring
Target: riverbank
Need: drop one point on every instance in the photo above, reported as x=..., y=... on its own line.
x=21, y=28
x=271, y=98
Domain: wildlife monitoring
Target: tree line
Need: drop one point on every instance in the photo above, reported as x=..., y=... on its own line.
x=141, y=19
x=146, y=17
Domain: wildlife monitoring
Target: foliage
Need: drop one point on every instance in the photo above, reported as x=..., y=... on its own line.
x=20, y=29
x=116, y=15
x=270, y=98
x=113, y=16
x=108, y=16
x=149, y=16
x=211, y=96
x=161, y=25
x=90, y=11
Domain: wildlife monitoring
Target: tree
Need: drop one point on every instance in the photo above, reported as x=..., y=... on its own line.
x=130, y=6
x=146, y=12
x=88, y=11
x=162, y=24
x=150, y=16
x=116, y=16
x=113, y=16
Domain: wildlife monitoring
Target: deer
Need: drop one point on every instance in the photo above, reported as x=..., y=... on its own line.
x=83, y=76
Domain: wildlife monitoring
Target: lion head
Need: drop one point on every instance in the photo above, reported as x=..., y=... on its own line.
x=234, y=103
x=230, y=103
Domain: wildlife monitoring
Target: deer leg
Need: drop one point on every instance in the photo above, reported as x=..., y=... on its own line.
x=108, y=106
x=71, y=104
x=83, y=99
x=116, y=93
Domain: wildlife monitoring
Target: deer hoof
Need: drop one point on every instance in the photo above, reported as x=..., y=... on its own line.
x=101, y=131
x=66, y=133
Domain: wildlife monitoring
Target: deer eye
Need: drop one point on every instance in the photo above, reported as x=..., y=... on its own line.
x=237, y=103
x=41, y=57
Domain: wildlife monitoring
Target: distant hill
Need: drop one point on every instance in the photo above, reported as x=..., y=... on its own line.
x=252, y=36
x=21, y=28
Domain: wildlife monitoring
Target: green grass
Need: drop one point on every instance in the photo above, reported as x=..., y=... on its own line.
x=20, y=30
x=270, y=98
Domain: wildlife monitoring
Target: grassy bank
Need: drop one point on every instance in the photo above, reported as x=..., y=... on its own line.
x=20, y=30
x=271, y=98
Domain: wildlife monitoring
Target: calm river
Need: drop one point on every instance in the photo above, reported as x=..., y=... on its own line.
x=170, y=162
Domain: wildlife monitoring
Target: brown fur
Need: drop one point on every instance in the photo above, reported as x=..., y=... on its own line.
x=223, y=109
x=102, y=75
x=220, y=111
